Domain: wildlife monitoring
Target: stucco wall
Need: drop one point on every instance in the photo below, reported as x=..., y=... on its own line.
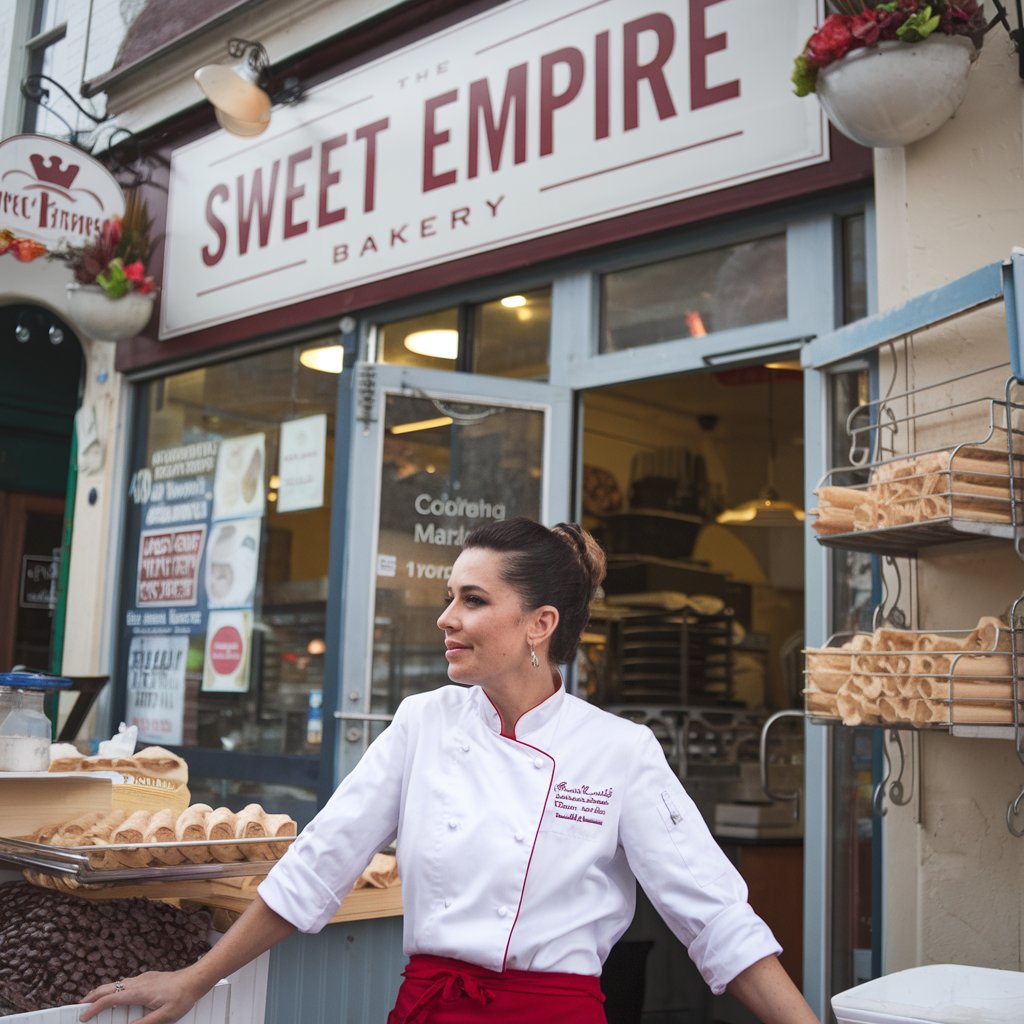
x=954, y=876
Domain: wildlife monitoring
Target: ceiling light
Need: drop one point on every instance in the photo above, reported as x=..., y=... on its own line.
x=513, y=301
x=441, y=343
x=325, y=358
x=765, y=510
x=316, y=646
x=408, y=428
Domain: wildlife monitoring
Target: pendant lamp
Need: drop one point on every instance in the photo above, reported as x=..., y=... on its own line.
x=767, y=509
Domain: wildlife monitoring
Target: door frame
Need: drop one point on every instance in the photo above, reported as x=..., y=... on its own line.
x=371, y=384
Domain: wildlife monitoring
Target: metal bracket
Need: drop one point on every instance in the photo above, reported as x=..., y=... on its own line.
x=772, y=794
x=897, y=796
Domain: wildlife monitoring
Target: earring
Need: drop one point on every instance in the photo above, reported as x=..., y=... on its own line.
x=534, y=660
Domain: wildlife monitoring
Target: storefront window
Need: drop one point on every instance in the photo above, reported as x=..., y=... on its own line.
x=225, y=576
x=448, y=467
x=694, y=295
x=855, y=290
x=504, y=337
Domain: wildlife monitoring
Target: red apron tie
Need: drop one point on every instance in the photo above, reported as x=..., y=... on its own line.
x=451, y=985
x=443, y=990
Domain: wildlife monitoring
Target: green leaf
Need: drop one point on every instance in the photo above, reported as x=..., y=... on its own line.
x=113, y=280
x=918, y=26
x=804, y=77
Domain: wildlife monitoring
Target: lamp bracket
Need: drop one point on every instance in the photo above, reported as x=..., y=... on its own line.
x=254, y=53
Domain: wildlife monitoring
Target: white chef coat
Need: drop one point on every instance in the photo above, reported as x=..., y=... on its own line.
x=521, y=852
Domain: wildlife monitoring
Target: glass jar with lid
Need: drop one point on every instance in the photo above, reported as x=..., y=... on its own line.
x=24, y=731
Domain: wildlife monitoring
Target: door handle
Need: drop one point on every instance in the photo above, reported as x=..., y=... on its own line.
x=773, y=794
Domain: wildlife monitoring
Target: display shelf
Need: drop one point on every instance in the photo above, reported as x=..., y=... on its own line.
x=77, y=862
x=950, y=680
x=932, y=463
x=903, y=495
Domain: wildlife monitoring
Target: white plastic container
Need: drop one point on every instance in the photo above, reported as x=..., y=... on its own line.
x=240, y=998
x=935, y=994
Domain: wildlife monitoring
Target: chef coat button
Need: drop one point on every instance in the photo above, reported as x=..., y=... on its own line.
x=519, y=837
x=464, y=747
x=502, y=911
x=538, y=762
x=447, y=902
x=453, y=823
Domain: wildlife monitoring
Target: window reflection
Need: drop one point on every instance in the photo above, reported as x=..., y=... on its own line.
x=227, y=536
x=504, y=337
x=694, y=295
x=448, y=467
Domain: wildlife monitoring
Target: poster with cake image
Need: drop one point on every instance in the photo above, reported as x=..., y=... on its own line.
x=232, y=560
x=228, y=659
x=239, y=483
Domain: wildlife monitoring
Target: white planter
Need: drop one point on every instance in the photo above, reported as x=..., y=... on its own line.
x=105, y=319
x=895, y=93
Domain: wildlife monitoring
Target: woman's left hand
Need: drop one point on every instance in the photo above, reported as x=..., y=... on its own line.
x=167, y=994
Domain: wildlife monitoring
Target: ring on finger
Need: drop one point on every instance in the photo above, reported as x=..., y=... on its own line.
x=119, y=985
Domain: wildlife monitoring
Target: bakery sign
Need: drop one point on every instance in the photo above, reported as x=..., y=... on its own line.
x=531, y=118
x=51, y=194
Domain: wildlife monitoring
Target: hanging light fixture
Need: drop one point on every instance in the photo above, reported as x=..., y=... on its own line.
x=439, y=343
x=767, y=509
x=325, y=358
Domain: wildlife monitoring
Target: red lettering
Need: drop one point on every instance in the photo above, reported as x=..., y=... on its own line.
x=481, y=109
x=328, y=179
x=701, y=46
x=550, y=100
x=263, y=205
x=432, y=138
x=460, y=215
x=602, y=117
x=294, y=192
x=653, y=71
x=369, y=133
x=211, y=257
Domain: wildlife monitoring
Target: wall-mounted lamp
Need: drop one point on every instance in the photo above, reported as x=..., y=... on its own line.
x=239, y=96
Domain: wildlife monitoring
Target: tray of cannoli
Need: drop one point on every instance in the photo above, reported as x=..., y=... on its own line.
x=169, y=844
x=920, y=500
x=916, y=679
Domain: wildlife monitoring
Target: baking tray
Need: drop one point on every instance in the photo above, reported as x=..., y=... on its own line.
x=73, y=861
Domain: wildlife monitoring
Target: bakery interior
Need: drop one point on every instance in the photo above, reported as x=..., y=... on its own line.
x=693, y=484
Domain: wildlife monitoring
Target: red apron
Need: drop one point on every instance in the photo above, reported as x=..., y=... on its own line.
x=438, y=990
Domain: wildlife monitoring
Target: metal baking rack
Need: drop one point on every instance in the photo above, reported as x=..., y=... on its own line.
x=74, y=861
x=883, y=436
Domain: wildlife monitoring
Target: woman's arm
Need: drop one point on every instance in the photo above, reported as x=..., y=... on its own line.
x=170, y=994
x=767, y=991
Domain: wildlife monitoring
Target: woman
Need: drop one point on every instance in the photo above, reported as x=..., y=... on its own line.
x=524, y=817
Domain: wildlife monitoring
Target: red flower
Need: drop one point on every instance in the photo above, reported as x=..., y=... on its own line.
x=832, y=41
x=135, y=272
x=145, y=286
x=864, y=28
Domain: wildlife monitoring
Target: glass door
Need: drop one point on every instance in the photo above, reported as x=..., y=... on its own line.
x=433, y=455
